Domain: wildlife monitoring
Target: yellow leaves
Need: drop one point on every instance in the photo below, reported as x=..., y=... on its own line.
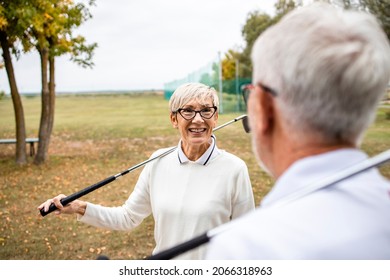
x=3, y=20
x=47, y=16
x=48, y=245
x=3, y=23
x=97, y=250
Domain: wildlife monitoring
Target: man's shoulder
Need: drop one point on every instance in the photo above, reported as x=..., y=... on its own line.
x=240, y=234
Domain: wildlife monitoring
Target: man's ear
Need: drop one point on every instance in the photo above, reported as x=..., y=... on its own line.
x=266, y=111
x=173, y=117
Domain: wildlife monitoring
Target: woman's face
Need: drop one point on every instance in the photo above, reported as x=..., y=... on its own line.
x=198, y=130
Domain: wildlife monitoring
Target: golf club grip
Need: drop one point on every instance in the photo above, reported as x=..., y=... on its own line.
x=181, y=248
x=72, y=197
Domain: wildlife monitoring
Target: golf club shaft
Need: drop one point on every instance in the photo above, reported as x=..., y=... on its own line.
x=335, y=178
x=76, y=195
x=181, y=248
x=72, y=197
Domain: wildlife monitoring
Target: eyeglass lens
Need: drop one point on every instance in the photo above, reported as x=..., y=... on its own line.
x=189, y=113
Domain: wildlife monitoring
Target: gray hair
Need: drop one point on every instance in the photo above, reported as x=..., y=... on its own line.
x=329, y=67
x=192, y=91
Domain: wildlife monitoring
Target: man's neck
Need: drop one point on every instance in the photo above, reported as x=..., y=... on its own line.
x=290, y=153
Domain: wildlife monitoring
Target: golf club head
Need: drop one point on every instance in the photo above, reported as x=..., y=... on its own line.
x=245, y=124
x=245, y=90
x=102, y=257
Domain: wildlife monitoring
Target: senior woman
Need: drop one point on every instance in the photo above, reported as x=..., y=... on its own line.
x=192, y=190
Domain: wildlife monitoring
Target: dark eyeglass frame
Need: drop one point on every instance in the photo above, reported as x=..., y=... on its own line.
x=196, y=112
x=268, y=89
x=245, y=93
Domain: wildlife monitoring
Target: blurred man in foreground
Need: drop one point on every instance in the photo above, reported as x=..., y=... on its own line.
x=318, y=77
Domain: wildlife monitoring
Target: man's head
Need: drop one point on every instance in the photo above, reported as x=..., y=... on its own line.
x=324, y=71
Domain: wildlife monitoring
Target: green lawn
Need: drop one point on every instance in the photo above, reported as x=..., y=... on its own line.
x=95, y=137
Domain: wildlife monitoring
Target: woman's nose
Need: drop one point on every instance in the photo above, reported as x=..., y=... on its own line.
x=198, y=117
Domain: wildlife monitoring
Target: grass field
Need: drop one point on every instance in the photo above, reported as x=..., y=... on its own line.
x=95, y=137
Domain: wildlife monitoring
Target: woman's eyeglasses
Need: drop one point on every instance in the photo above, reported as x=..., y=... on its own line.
x=189, y=114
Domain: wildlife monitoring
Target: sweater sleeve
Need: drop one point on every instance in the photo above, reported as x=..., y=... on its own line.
x=126, y=217
x=242, y=195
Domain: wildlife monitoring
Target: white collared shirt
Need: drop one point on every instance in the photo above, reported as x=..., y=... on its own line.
x=348, y=220
x=210, y=153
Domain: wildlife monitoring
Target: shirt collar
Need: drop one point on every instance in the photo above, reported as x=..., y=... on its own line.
x=210, y=153
x=309, y=170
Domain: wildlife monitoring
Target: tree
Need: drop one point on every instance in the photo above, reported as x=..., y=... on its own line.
x=379, y=8
x=51, y=34
x=256, y=23
x=11, y=29
x=47, y=26
x=283, y=7
x=229, y=64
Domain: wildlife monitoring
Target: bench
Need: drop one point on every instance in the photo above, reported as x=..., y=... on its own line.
x=30, y=141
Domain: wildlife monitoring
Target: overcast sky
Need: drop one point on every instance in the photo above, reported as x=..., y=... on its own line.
x=145, y=43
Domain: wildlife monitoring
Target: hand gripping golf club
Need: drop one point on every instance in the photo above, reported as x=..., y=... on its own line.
x=324, y=183
x=76, y=195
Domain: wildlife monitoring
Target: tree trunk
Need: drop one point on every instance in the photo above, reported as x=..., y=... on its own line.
x=21, y=155
x=44, y=126
x=52, y=94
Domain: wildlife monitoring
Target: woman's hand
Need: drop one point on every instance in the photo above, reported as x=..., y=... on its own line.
x=76, y=206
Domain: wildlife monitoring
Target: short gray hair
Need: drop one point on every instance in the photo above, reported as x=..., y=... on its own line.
x=192, y=91
x=330, y=68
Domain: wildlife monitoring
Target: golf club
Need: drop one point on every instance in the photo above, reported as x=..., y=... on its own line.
x=76, y=195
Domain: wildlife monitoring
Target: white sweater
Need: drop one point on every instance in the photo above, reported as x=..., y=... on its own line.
x=186, y=199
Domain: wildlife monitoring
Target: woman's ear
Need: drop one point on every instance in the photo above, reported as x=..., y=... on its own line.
x=215, y=118
x=173, y=117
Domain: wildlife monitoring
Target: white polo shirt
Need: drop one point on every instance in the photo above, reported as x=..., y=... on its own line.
x=210, y=153
x=348, y=220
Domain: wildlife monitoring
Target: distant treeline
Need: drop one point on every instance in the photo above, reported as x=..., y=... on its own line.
x=98, y=92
